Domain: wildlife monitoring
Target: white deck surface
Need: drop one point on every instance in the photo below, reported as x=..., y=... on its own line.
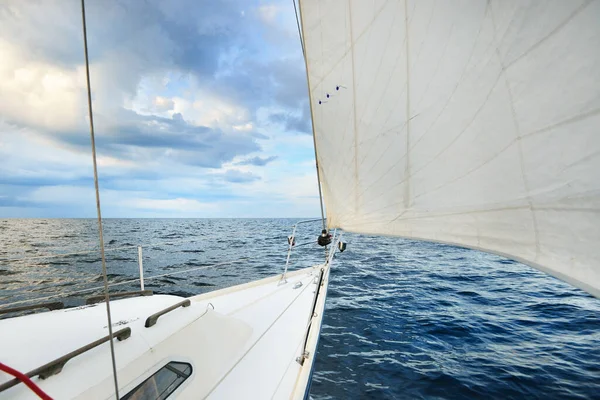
x=243, y=348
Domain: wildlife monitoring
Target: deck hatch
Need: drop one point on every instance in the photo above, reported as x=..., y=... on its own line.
x=161, y=384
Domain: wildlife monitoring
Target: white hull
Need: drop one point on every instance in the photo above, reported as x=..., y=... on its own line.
x=242, y=342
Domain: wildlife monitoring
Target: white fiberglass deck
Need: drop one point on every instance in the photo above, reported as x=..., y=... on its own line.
x=242, y=342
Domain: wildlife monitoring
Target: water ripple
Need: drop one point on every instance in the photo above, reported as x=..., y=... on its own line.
x=404, y=319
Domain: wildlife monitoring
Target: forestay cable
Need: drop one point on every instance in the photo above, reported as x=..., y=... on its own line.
x=299, y=30
x=101, y=236
x=298, y=23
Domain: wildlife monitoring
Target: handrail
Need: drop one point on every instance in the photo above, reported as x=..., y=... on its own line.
x=304, y=354
x=54, y=367
x=151, y=320
x=118, y=295
x=26, y=380
x=55, y=305
x=292, y=244
x=305, y=221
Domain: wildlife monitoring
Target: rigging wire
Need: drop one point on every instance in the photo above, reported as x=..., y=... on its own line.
x=299, y=24
x=100, y=234
x=299, y=30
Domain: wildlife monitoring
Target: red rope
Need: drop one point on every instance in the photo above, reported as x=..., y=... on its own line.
x=26, y=380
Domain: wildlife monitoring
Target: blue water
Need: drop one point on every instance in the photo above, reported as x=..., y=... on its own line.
x=404, y=319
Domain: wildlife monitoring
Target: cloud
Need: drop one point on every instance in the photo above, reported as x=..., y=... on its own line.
x=180, y=205
x=163, y=104
x=257, y=161
x=243, y=127
x=236, y=176
x=268, y=12
x=178, y=90
x=294, y=121
x=37, y=93
x=172, y=140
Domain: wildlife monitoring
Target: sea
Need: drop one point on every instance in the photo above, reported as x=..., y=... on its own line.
x=404, y=319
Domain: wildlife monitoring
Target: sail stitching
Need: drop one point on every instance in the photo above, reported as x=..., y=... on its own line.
x=390, y=113
x=378, y=69
x=407, y=193
x=354, y=112
x=512, y=108
x=371, y=143
x=511, y=143
x=414, y=173
x=557, y=29
x=438, y=115
x=458, y=83
x=564, y=122
x=429, y=215
x=519, y=144
x=349, y=160
x=368, y=27
x=347, y=119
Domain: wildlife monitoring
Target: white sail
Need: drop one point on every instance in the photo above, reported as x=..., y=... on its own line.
x=470, y=122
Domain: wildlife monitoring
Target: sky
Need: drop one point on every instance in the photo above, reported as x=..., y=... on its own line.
x=200, y=110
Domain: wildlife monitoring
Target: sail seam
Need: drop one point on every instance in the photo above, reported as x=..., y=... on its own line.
x=510, y=144
x=347, y=118
x=564, y=122
x=519, y=142
x=354, y=112
x=447, y=101
x=371, y=143
x=367, y=28
x=557, y=29
x=387, y=86
x=406, y=156
x=402, y=126
x=367, y=31
x=407, y=160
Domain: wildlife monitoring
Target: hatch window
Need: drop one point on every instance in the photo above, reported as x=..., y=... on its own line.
x=160, y=385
